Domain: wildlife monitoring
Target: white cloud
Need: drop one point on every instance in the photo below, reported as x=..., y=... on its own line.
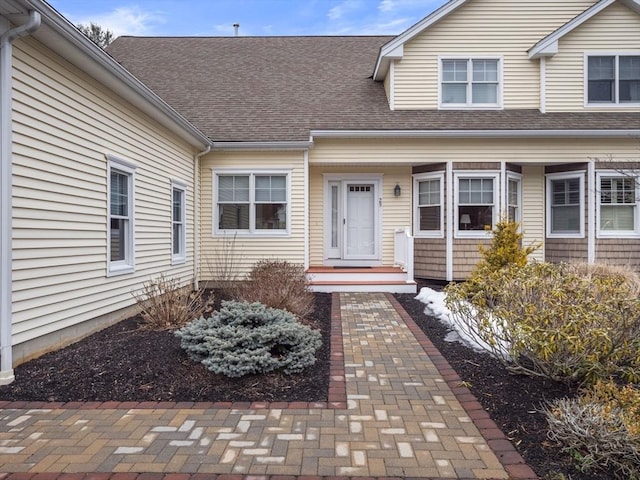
x=126, y=21
x=341, y=10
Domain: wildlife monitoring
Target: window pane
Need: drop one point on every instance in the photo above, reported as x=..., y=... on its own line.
x=118, y=239
x=601, y=82
x=177, y=238
x=234, y=216
x=429, y=192
x=565, y=192
x=619, y=217
x=271, y=216
x=513, y=192
x=233, y=188
x=485, y=70
x=430, y=218
x=119, y=194
x=271, y=188
x=475, y=218
x=630, y=68
x=484, y=93
x=454, y=70
x=177, y=205
x=454, y=93
x=565, y=219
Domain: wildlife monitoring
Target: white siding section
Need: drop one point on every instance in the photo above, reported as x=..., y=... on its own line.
x=250, y=249
x=505, y=28
x=64, y=125
x=533, y=209
x=615, y=29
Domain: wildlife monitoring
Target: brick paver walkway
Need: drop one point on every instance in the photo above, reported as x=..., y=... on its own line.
x=395, y=409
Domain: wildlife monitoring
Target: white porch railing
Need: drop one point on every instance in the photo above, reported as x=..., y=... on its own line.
x=403, y=251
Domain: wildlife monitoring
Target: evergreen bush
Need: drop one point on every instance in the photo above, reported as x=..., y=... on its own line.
x=249, y=338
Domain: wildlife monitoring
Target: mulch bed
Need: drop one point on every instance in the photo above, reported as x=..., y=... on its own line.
x=128, y=363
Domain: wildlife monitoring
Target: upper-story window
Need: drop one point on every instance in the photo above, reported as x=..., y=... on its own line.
x=613, y=79
x=470, y=83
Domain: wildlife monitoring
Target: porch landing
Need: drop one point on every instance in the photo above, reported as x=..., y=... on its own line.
x=360, y=279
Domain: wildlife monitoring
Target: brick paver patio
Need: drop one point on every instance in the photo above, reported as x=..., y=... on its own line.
x=395, y=409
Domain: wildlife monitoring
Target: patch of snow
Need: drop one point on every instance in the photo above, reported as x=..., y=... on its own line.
x=435, y=306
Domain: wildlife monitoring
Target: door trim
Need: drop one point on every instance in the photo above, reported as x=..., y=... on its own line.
x=329, y=254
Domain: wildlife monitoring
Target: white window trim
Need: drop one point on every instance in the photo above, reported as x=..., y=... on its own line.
x=181, y=257
x=617, y=233
x=456, y=198
x=580, y=174
x=251, y=232
x=585, y=68
x=416, y=202
x=127, y=265
x=518, y=178
x=469, y=105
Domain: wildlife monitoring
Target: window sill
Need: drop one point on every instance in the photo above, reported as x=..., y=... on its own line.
x=565, y=235
x=470, y=107
x=240, y=234
x=614, y=235
x=438, y=234
x=605, y=105
x=115, y=270
x=178, y=260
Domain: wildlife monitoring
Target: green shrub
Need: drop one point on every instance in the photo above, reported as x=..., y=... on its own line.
x=506, y=248
x=278, y=284
x=600, y=428
x=246, y=338
x=164, y=305
x=543, y=319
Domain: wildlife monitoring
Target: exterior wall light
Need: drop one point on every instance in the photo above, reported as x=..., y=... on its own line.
x=397, y=191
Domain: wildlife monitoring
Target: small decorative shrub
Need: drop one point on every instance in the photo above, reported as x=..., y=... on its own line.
x=164, y=305
x=543, y=319
x=278, y=284
x=600, y=429
x=247, y=338
x=506, y=248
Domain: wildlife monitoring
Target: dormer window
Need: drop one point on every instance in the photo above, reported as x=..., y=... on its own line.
x=470, y=83
x=613, y=79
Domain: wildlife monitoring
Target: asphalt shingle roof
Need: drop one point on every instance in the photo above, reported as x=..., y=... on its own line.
x=253, y=89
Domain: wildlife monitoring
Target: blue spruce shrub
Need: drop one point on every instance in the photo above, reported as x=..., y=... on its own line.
x=246, y=338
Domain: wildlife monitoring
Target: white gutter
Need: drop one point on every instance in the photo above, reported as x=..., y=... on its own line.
x=196, y=217
x=282, y=145
x=6, y=185
x=475, y=133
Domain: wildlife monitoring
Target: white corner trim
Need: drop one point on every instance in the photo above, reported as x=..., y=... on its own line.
x=591, y=211
x=449, y=227
x=543, y=84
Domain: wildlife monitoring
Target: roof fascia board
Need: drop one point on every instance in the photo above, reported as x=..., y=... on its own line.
x=391, y=49
x=252, y=146
x=617, y=133
x=548, y=46
x=105, y=69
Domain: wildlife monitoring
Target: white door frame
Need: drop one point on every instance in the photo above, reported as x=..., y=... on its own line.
x=335, y=255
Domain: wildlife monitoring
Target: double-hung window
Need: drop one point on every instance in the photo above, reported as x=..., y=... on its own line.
x=565, y=205
x=476, y=203
x=618, y=204
x=120, y=254
x=613, y=79
x=470, y=83
x=178, y=223
x=429, y=198
x=252, y=202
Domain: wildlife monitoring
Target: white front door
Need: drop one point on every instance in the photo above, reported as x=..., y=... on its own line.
x=352, y=222
x=360, y=225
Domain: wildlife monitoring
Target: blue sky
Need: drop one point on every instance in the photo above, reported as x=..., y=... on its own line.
x=256, y=17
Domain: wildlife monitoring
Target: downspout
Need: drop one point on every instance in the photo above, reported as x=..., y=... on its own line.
x=196, y=217
x=6, y=185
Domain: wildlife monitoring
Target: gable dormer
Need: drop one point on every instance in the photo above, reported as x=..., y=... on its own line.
x=476, y=54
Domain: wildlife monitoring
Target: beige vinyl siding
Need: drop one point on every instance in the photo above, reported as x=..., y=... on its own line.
x=249, y=249
x=396, y=211
x=615, y=29
x=500, y=28
x=64, y=124
x=533, y=211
